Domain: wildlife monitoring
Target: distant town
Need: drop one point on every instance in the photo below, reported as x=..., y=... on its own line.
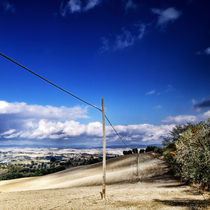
x=42, y=158
x=28, y=162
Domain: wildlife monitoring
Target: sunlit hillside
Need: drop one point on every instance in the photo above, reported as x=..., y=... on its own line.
x=79, y=188
x=122, y=169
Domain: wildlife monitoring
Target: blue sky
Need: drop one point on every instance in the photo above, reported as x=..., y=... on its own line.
x=150, y=60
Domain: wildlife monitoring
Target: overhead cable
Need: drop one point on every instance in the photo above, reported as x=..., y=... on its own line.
x=62, y=89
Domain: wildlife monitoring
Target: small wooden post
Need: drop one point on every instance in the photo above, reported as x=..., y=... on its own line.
x=103, y=194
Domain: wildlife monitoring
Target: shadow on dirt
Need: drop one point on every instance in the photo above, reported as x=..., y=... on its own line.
x=174, y=185
x=191, y=204
x=166, y=176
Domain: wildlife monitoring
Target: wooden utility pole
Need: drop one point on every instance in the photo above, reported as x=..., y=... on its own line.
x=138, y=172
x=103, y=194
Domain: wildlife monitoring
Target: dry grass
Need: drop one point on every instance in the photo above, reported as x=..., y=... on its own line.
x=80, y=188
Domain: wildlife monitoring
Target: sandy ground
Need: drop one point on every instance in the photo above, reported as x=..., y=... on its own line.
x=147, y=187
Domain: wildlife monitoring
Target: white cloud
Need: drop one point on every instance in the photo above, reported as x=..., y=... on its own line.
x=207, y=51
x=71, y=6
x=145, y=132
x=166, y=16
x=127, y=38
x=20, y=119
x=168, y=89
x=204, y=52
x=75, y=6
x=151, y=92
x=9, y=132
x=180, y=119
x=206, y=115
x=124, y=40
x=91, y=4
x=25, y=111
x=130, y=5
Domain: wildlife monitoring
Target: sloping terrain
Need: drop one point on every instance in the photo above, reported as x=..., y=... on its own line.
x=121, y=169
x=149, y=187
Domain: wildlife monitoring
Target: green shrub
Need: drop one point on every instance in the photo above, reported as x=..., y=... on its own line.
x=150, y=148
x=187, y=150
x=154, y=149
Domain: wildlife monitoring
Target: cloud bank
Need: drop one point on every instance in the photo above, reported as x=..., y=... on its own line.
x=47, y=129
x=24, y=121
x=19, y=121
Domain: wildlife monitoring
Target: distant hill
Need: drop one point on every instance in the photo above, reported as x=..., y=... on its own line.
x=121, y=169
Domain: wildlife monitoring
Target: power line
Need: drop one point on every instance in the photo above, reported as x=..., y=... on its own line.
x=115, y=130
x=62, y=89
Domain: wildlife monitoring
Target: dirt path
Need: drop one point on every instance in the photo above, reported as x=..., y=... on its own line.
x=80, y=189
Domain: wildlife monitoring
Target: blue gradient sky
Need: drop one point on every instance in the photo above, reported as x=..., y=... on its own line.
x=150, y=60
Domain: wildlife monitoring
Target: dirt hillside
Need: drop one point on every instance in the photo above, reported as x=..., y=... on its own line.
x=128, y=187
x=121, y=169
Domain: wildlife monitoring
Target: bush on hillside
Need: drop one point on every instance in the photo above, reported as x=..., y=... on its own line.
x=188, y=152
x=154, y=149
